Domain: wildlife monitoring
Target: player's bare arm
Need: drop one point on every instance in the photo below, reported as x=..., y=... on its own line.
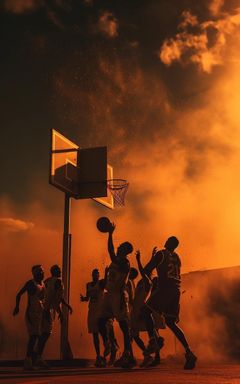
x=18, y=299
x=157, y=258
x=70, y=310
x=86, y=297
x=103, y=282
x=141, y=270
x=111, y=250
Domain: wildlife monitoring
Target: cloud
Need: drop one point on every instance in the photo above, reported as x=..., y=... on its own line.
x=215, y=6
x=108, y=24
x=203, y=43
x=22, y=6
x=9, y=224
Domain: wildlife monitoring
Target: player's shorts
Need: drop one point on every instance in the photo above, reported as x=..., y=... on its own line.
x=33, y=320
x=94, y=313
x=47, y=321
x=138, y=324
x=165, y=301
x=115, y=306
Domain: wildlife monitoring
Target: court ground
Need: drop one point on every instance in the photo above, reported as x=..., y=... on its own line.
x=165, y=374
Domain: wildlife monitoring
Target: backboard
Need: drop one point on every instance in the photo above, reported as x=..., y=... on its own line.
x=63, y=159
x=80, y=172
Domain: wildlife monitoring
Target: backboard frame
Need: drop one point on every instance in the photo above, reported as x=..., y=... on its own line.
x=62, y=177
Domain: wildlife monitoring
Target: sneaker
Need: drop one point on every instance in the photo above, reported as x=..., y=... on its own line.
x=126, y=361
x=118, y=362
x=40, y=363
x=156, y=361
x=152, y=347
x=100, y=362
x=190, y=360
x=27, y=364
x=147, y=361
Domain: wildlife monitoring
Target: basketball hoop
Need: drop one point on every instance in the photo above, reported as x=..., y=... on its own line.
x=118, y=189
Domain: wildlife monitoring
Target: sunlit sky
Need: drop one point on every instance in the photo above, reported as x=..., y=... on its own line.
x=158, y=83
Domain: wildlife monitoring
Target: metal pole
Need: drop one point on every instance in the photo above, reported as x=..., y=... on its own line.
x=65, y=350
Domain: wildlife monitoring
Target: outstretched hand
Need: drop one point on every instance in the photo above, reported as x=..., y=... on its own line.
x=112, y=227
x=138, y=255
x=154, y=251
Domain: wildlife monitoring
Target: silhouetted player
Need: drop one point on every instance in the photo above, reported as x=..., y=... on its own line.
x=166, y=298
x=54, y=299
x=35, y=289
x=142, y=292
x=115, y=302
x=94, y=296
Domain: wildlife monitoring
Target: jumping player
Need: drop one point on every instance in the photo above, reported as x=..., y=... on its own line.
x=166, y=298
x=94, y=296
x=143, y=290
x=54, y=301
x=115, y=301
x=35, y=289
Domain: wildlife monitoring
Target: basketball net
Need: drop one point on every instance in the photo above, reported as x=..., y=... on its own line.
x=118, y=189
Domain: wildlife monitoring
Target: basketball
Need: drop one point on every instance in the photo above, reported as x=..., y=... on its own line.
x=103, y=224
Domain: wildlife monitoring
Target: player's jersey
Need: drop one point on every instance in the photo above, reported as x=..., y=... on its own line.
x=54, y=293
x=95, y=292
x=168, y=268
x=36, y=295
x=117, y=276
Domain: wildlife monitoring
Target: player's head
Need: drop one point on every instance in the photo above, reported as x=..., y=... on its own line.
x=55, y=270
x=133, y=274
x=95, y=274
x=171, y=243
x=38, y=272
x=124, y=249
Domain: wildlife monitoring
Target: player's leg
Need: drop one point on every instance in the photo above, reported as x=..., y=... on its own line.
x=47, y=326
x=102, y=326
x=139, y=342
x=178, y=332
x=120, y=307
x=30, y=354
x=150, y=328
x=100, y=361
x=33, y=321
x=171, y=318
x=113, y=342
x=96, y=343
x=126, y=335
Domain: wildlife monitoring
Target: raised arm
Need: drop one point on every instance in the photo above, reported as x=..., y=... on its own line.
x=140, y=267
x=156, y=258
x=110, y=243
x=18, y=299
x=146, y=279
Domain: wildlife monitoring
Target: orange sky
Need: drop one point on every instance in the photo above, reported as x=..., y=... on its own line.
x=181, y=154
